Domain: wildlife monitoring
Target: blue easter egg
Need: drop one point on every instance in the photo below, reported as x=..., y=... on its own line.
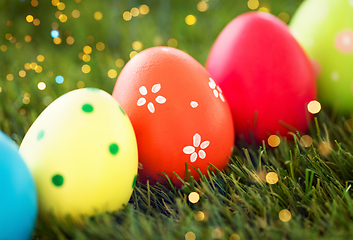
x=18, y=199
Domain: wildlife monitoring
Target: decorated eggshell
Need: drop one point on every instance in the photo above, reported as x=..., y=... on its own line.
x=82, y=152
x=264, y=74
x=325, y=30
x=178, y=112
x=18, y=199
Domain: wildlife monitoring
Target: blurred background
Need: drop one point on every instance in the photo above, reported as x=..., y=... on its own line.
x=50, y=47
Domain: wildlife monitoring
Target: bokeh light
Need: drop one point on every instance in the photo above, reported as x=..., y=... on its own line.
x=28, y=38
x=22, y=73
x=284, y=17
x=190, y=236
x=325, y=148
x=29, y=18
x=57, y=40
x=253, y=4
x=144, y=9
x=62, y=18
x=284, y=215
x=22, y=111
x=264, y=9
x=314, y=107
x=41, y=85
x=172, y=42
x=217, y=233
x=190, y=19
x=112, y=73
x=86, y=58
x=127, y=16
x=137, y=45
x=9, y=77
x=306, y=141
x=3, y=48
x=38, y=69
x=273, y=140
x=86, y=68
x=135, y=12
x=100, y=46
x=36, y=22
x=54, y=25
x=98, y=15
x=199, y=216
x=0, y=89
x=54, y=33
x=70, y=40
x=87, y=49
x=271, y=178
x=119, y=63
x=26, y=100
x=194, y=197
x=59, y=79
x=234, y=236
x=40, y=58
x=34, y=3
x=80, y=84
x=202, y=6
x=61, y=6
x=133, y=54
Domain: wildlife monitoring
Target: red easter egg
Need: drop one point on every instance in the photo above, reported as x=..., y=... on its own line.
x=264, y=74
x=178, y=113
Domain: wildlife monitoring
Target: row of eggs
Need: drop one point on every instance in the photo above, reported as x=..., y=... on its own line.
x=84, y=150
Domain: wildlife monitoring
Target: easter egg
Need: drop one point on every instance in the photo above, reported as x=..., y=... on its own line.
x=265, y=76
x=178, y=112
x=18, y=199
x=82, y=152
x=325, y=30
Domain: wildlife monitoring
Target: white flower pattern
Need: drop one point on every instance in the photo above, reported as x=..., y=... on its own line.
x=217, y=91
x=159, y=99
x=193, y=149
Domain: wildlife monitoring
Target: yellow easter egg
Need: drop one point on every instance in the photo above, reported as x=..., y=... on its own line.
x=82, y=152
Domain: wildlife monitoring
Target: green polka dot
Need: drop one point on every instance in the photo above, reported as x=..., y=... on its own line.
x=87, y=108
x=57, y=180
x=122, y=110
x=40, y=135
x=113, y=148
x=134, y=181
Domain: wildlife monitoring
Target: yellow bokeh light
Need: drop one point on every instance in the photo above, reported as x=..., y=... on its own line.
x=61, y=6
x=271, y=178
x=157, y=40
x=86, y=58
x=306, y=141
x=8, y=36
x=135, y=12
x=0, y=89
x=26, y=100
x=98, y=15
x=217, y=233
x=23, y=111
x=33, y=65
x=273, y=140
x=348, y=125
x=100, y=46
x=9, y=77
x=144, y=9
x=190, y=19
x=34, y=3
x=62, y=18
x=13, y=40
x=133, y=54
x=38, y=69
x=18, y=45
x=76, y=13
x=40, y=58
x=119, y=63
x=172, y=42
x=54, y=25
x=202, y=6
x=199, y=216
x=29, y=18
x=55, y=2
x=314, y=107
x=41, y=85
x=137, y=45
x=190, y=236
x=77, y=1
x=112, y=73
x=80, y=55
x=28, y=38
x=36, y=22
x=264, y=9
x=27, y=66
x=284, y=17
x=87, y=49
x=70, y=40
x=57, y=14
x=9, y=23
x=86, y=68
x=80, y=84
x=3, y=48
x=284, y=215
x=57, y=40
x=90, y=39
x=325, y=148
x=127, y=16
x=22, y=73
x=194, y=197
x=234, y=236
x=253, y=4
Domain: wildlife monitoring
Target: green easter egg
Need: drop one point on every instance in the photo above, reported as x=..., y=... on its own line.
x=324, y=28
